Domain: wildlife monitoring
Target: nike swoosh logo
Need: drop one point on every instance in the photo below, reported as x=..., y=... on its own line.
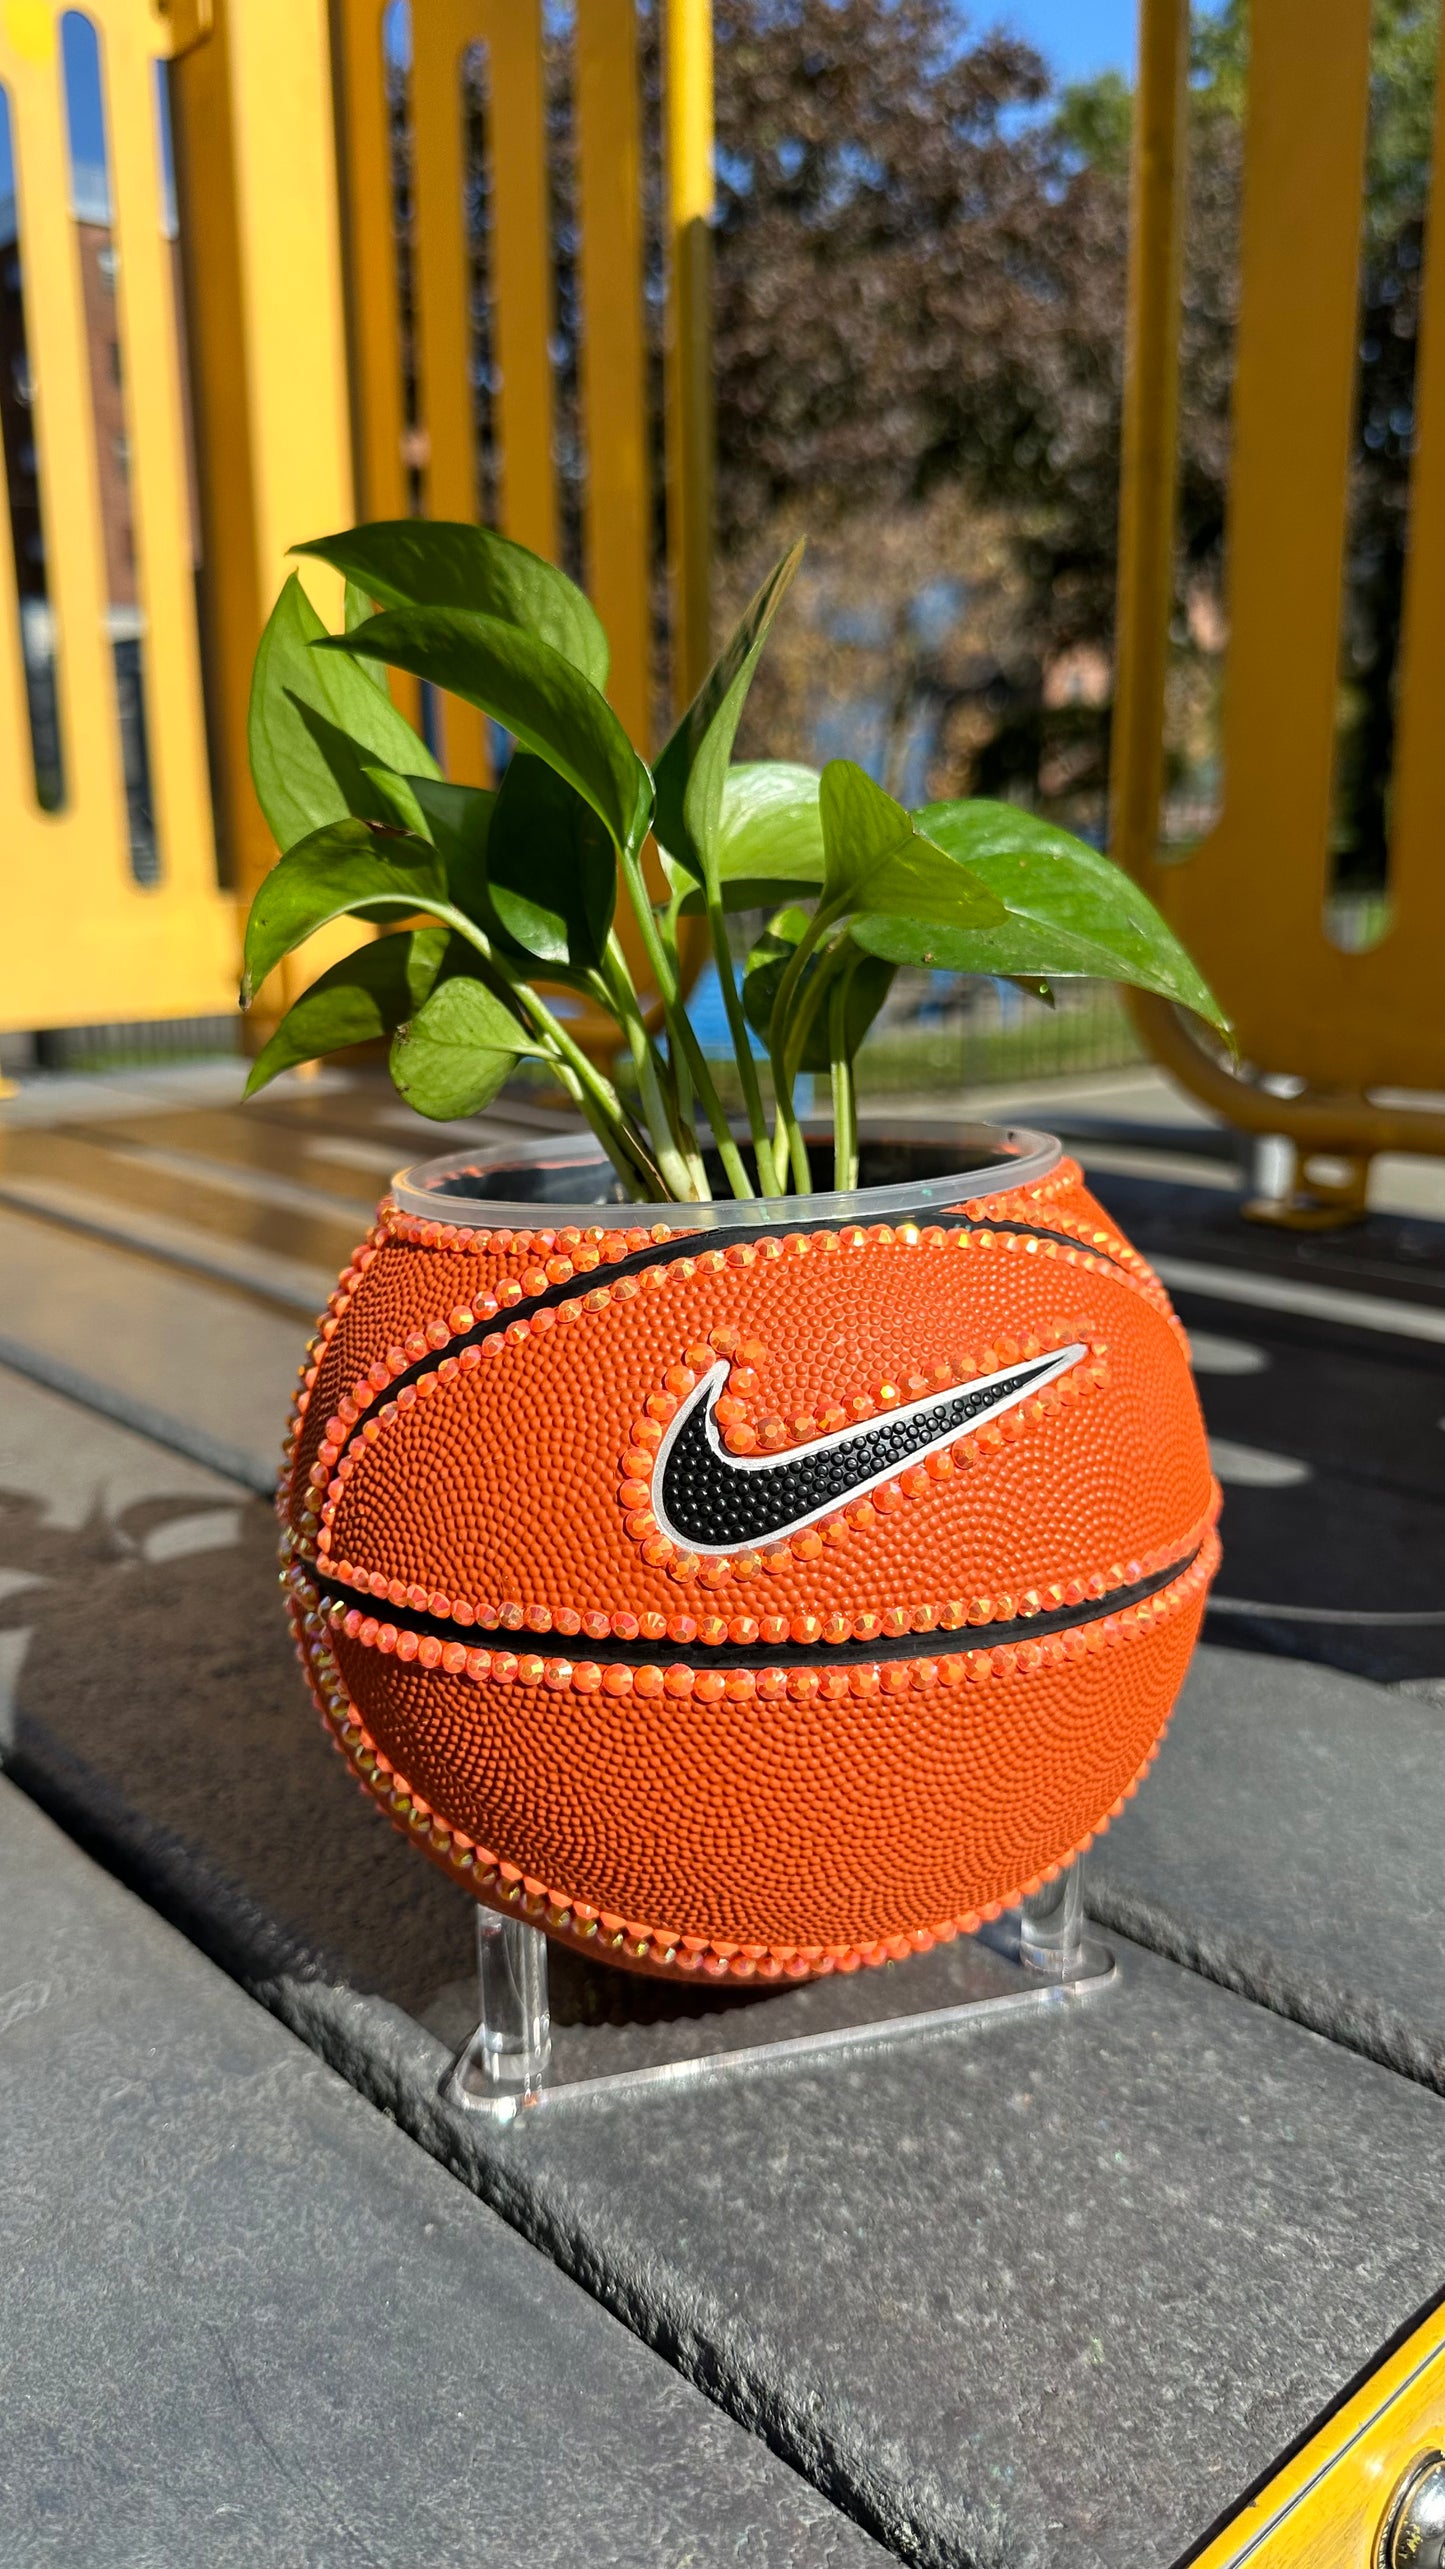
x=708, y=1500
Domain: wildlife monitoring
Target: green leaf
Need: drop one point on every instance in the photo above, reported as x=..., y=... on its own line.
x=769, y=842
x=691, y=774
x=551, y=867
x=862, y=829
x=358, y=606
x=292, y=757
x=351, y=768
x=528, y=686
x=875, y=860
x=397, y=798
x=348, y=866
x=367, y=994
x=454, y=1054
x=1069, y=911
x=428, y=562
x=869, y=982
x=458, y=820
x=368, y=790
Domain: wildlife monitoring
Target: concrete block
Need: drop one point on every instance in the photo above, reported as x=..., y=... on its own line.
x=244, y=2320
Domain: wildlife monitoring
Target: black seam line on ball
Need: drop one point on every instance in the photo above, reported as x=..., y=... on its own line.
x=721, y=1503
x=758, y=1654
x=690, y=1244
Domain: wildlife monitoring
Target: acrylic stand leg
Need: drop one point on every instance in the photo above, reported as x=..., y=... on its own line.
x=1051, y=1927
x=505, y=2062
x=1038, y=1962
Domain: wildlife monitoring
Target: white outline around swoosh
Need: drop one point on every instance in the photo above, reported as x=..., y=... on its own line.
x=711, y=1385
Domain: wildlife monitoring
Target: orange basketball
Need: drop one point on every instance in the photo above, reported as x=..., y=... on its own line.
x=746, y=1589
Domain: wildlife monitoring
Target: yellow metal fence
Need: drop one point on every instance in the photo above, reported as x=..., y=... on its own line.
x=1340, y=1051
x=80, y=937
x=317, y=390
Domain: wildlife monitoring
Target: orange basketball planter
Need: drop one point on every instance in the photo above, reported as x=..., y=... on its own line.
x=740, y=1595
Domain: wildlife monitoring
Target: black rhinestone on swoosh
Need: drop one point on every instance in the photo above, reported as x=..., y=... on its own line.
x=713, y=1501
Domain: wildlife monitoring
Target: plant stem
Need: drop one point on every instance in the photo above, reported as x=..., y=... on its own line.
x=845, y=1101
x=768, y=1179
x=623, y=1001
x=681, y=1037
x=596, y=1096
x=627, y=1157
x=789, y=1130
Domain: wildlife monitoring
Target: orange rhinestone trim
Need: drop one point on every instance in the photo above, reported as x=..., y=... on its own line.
x=502, y=1885
x=505, y=1666
x=599, y=1244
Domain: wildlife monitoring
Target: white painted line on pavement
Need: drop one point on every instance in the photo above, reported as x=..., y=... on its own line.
x=1310, y=1301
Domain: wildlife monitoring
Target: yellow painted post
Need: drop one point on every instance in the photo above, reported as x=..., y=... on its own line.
x=369, y=271
x=80, y=939
x=1250, y=899
x=1417, y=817
x=613, y=355
x=689, y=78
x=1289, y=477
x=373, y=313
x=522, y=274
x=256, y=165
x=159, y=477
x=1151, y=421
x=441, y=33
x=519, y=284
x=75, y=548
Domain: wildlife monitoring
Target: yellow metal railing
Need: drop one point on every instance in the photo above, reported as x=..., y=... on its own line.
x=1336, y=1028
x=80, y=937
x=298, y=349
x=444, y=39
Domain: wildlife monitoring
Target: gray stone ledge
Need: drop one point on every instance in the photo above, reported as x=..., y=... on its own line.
x=243, y=2321
x=1288, y=1843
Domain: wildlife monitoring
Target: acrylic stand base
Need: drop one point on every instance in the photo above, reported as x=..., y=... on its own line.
x=600, y=2032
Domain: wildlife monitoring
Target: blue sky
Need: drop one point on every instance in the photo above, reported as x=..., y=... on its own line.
x=1076, y=37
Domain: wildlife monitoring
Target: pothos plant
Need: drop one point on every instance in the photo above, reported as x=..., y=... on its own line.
x=509, y=895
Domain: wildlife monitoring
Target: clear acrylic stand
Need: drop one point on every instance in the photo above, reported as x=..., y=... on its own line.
x=617, y=2032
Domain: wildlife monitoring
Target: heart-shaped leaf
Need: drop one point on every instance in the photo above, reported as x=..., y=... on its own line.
x=367, y=994
x=691, y=774
x=303, y=704
x=453, y=1055
x=347, y=867
x=526, y=685
x=769, y=841
x=875, y=860
x=429, y=562
x=1069, y=910
x=551, y=867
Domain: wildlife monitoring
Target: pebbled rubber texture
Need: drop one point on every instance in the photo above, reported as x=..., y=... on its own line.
x=474, y=1454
